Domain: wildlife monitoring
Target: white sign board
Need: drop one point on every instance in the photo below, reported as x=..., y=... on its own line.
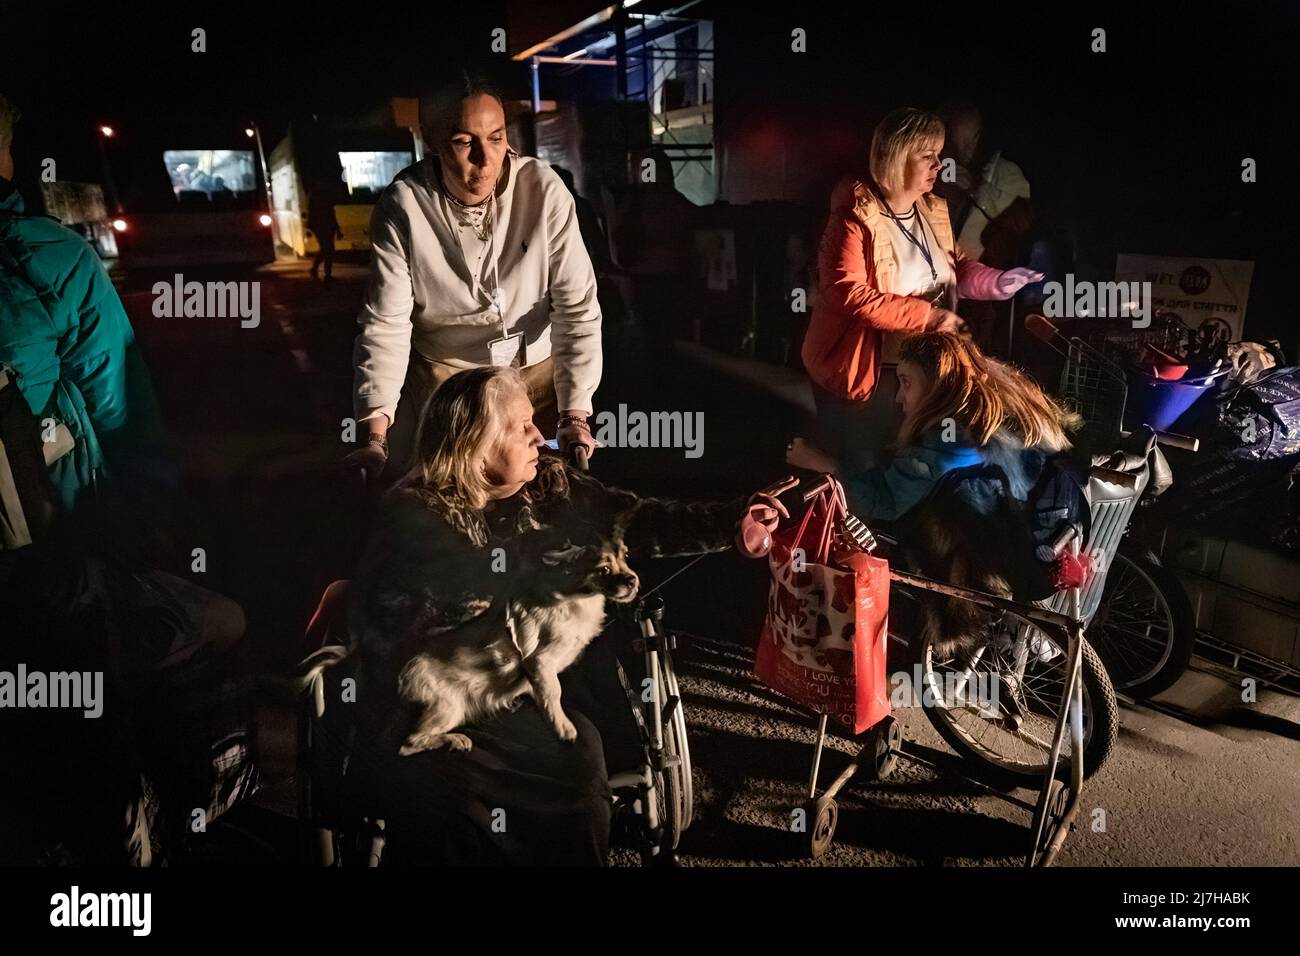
x=1196, y=290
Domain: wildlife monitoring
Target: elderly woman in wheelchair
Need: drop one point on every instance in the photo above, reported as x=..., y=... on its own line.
x=450, y=540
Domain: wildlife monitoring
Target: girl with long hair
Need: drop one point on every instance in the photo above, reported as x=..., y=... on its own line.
x=960, y=408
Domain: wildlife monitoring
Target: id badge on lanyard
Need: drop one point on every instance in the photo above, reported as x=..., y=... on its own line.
x=508, y=349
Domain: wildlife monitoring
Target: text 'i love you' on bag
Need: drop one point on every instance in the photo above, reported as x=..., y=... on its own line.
x=825, y=634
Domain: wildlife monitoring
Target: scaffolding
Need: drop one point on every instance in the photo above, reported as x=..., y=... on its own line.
x=662, y=58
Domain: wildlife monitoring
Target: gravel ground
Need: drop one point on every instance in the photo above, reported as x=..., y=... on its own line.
x=1212, y=786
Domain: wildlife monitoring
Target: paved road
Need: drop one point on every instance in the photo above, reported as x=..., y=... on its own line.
x=1197, y=778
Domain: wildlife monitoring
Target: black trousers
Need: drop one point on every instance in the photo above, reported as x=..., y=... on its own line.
x=326, y=253
x=520, y=796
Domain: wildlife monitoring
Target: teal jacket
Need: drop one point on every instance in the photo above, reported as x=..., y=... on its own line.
x=888, y=492
x=69, y=346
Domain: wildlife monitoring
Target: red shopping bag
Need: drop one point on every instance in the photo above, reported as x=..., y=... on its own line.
x=825, y=634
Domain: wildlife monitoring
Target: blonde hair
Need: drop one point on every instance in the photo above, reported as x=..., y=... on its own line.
x=981, y=394
x=896, y=137
x=461, y=423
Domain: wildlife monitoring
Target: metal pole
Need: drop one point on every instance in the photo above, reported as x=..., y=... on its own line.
x=110, y=184
x=620, y=49
x=537, y=90
x=817, y=756
x=266, y=182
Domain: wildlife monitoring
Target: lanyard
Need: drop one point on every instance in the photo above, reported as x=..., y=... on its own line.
x=922, y=244
x=492, y=252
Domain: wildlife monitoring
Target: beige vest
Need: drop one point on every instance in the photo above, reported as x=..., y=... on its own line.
x=885, y=259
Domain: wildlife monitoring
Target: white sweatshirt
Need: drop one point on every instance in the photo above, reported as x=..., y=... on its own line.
x=421, y=294
x=1001, y=183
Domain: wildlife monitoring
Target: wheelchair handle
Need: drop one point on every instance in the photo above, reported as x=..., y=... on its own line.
x=580, y=457
x=1185, y=442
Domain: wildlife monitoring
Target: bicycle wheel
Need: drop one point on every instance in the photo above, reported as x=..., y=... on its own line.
x=1143, y=627
x=1006, y=726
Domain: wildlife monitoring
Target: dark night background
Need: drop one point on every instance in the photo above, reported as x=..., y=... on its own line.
x=1137, y=149
x=1142, y=145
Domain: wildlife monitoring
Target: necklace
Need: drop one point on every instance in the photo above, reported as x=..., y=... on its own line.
x=923, y=243
x=478, y=218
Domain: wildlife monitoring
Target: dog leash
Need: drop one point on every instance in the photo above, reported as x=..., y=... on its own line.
x=685, y=567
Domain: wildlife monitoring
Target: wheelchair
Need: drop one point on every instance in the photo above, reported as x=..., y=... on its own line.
x=653, y=802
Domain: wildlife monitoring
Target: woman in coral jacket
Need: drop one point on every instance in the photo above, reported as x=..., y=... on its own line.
x=887, y=264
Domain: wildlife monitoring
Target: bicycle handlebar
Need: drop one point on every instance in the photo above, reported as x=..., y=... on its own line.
x=1063, y=538
x=1185, y=442
x=814, y=490
x=1121, y=478
x=1041, y=328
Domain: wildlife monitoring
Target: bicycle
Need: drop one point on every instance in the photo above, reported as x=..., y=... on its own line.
x=1142, y=624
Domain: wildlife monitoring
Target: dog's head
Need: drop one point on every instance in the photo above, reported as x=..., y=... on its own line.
x=598, y=565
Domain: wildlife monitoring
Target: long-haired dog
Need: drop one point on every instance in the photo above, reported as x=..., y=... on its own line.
x=519, y=645
x=959, y=543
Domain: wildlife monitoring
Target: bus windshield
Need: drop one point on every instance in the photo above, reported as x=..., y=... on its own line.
x=210, y=175
x=368, y=173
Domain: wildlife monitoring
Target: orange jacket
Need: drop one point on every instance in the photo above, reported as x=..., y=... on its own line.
x=854, y=307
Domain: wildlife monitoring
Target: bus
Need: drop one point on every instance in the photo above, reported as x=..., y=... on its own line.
x=187, y=193
x=356, y=164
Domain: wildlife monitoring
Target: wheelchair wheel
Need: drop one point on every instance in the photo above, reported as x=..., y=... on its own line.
x=672, y=791
x=676, y=744
x=1143, y=627
x=1005, y=727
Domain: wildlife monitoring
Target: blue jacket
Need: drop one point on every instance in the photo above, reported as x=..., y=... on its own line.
x=888, y=492
x=70, y=346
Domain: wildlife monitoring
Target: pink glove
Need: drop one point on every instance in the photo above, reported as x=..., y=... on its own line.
x=983, y=283
x=1013, y=280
